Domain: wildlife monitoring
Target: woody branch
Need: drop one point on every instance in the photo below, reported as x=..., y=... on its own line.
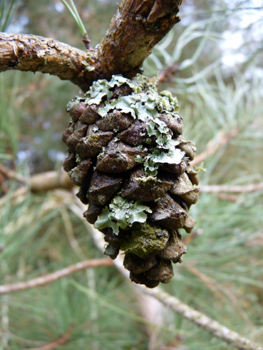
x=135, y=29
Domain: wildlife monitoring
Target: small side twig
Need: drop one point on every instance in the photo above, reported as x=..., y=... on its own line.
x=60, y=341
x=52, y=277
x=86, y=41
x=214, y=145
x=189, y=238
x=206, y=279
x=166, y=75
x=232, y=188
x=227, y=197
x=11, y=174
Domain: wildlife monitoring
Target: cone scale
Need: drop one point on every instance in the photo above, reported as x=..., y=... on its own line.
x=127, y=154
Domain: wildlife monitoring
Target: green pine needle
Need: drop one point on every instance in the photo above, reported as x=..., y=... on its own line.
x=74, y=13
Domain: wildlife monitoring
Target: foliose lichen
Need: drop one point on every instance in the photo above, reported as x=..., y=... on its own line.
x=143, y=104
x=122, y=213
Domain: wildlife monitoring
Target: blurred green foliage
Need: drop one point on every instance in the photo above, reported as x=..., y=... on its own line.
x=41, y=233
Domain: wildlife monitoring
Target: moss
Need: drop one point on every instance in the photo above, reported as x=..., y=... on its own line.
x=145, y=240
x=94, y=138
x=78, y=158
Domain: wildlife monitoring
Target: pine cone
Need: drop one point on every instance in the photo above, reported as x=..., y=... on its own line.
x=126, y=152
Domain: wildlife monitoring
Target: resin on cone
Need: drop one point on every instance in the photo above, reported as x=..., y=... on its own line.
x=127, y=154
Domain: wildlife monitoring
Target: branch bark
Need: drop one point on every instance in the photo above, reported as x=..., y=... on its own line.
x=32, y=53
x=133, y=32
x=135, y=29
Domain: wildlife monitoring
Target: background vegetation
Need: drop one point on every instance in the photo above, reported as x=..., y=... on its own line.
x=212, y=61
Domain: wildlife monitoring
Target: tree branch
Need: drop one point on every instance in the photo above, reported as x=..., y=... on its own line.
x=203, y=321
x=52, y=277
x=34, y=53
x=134, y=30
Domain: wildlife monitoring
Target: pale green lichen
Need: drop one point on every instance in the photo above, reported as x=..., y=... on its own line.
x=73, y=102
x=98, y=90
x=145, y=240
x=167, y=102
x=146, y=179
x=87, y=66
x=143, y=104
x=122, y=213
x=118, y=80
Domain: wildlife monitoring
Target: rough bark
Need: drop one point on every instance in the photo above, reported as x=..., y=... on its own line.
x=134, y=30
x=37, y=54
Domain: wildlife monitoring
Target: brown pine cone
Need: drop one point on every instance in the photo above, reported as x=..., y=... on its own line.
x=126, y=152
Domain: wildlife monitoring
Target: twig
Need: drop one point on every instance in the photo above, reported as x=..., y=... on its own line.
x=166, y=75
x=201, y=320
x=227, y=197
x=60, y=341
x=3, y=188
x=50, y=180
x=135, y=29
x=189, y=238
x=214, y=145
x=232, y=188
x=52, y=277
x=42, y=182
x=86, y=41
x=11, y=174
x=206, y=279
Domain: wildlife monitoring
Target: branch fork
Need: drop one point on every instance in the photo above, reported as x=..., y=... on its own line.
x=135, y=29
